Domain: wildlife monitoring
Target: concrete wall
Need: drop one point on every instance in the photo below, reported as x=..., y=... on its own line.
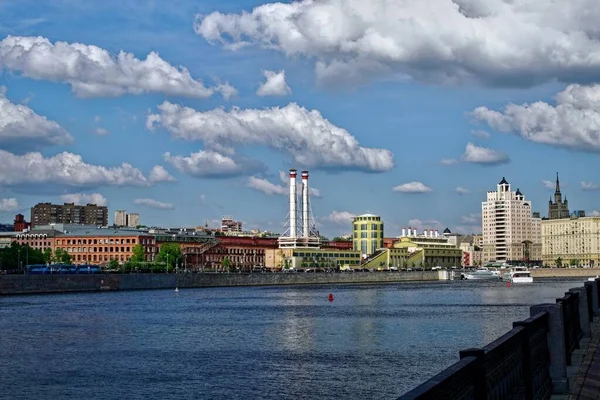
x=564, y=272
x=22, y=284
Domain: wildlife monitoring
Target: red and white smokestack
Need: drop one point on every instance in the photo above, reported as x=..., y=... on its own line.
x=305, y=207
x=293, y=204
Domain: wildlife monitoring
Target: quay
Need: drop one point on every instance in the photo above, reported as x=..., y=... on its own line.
x=553, y=354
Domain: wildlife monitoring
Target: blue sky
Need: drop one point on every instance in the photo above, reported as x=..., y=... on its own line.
x=365, y=102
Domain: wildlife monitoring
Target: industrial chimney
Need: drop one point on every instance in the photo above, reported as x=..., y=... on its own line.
x=403, y=232
x=293, y=204
x=305, y=206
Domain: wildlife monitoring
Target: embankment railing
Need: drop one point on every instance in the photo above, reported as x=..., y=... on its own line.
x=528, y=362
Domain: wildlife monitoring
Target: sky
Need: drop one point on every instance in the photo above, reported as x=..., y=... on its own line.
x=185, y=111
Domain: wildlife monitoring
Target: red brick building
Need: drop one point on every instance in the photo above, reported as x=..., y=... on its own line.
x=20, y=223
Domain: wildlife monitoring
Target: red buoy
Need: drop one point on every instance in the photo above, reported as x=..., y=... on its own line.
x=330, y=296
x=508, y=284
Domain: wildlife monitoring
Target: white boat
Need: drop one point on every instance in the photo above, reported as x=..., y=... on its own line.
x=480, y=274
x=593, y=279
x=518, y=275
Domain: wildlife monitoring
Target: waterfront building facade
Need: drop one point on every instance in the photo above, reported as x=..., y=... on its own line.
x=100, y=246
x=68, y=213
x=39, y=239
x=571, y=241
x=367, y=234
x=558, y=208
x=511, y=233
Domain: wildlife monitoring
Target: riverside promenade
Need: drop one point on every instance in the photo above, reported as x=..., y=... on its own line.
x=554, y=354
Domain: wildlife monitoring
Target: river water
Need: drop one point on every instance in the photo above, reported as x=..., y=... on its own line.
x=372, y=341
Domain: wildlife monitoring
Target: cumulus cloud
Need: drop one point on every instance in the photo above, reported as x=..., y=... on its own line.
x=448, y=161
x=590, y=186
x=94, y=72
x=471, y=219
x=548, y=184
x=159, y=205
x=483, y=155
x=412, y=187
x=65, y=169
x=420, y=225
x=306, y=136
x=158, y=173
x=432, y=41
x=275, y=84
x=595, y=213
x=22, y=129
x=462, y=190
x=340, y=217
x=573, y=122
x=205, y=164
x=101, y=131
x=268, y=188
x=10, y=204
x=84, y=198
x=481, y=134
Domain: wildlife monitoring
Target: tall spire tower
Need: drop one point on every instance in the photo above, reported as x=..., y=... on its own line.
x=558, y=208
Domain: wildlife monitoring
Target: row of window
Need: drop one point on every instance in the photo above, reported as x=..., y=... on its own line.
x=99, y=241
x=105, y=249
x=364, y=227
x=325, y=255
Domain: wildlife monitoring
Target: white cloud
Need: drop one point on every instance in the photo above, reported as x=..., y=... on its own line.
x=10, y=204
x=462, y=190
x=341, y=217
x=275, y=84
x=471, y=219
x=590, y=186
x=97, y=118
x=203, y=199
x=268, y=188
x=595, y=213
x=548, y=184
x=449, y=161
x=483, y=155
x=420, y=225
x=481, y=134
x=65, y=169
x=574, y=122
x=94, y=72
x=412, y=187
x=22, y=128
x=101, y=131
x=84, y=198
x=432, y=41
x=306, y=136
x=158, y=173
x=153, y=204
x=226, y=90
x=205, y=163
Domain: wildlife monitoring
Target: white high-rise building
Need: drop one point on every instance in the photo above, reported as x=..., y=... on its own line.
x=511, y=231
x=120, y=218
x=133, y=220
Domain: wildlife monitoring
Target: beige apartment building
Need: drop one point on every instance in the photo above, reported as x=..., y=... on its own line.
x=576, y=241
x=511, y=231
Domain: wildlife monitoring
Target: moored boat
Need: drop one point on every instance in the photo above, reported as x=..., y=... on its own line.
x=480, y=274
x=518, y=275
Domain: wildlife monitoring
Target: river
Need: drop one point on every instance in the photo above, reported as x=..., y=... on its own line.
x=372, y=341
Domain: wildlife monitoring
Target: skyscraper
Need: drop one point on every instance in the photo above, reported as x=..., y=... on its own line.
x=558, y=208
x=510, y=231
x=120, y=218
x=68, y=213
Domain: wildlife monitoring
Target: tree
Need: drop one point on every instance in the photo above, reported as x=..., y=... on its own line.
x=138, y=254
x=48, y=257
x=227, y=264
x=341, y=239
x=559, y=262
x=574, y=262
x=113, y=264
x=170, y=254
x=61, y=256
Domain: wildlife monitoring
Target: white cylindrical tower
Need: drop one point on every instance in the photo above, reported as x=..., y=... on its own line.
x=431, y=233
x=293, y=204
x=425, y=232
x=403, y=232
x=305, y=207
x=437, y=234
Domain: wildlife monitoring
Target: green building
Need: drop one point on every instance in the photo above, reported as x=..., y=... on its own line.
x=417, y=252
x=367, y=234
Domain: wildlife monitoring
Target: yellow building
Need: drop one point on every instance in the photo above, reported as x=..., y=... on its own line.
x=417, y=252
x=367, y=234
x=575, y=241
x=311, y=258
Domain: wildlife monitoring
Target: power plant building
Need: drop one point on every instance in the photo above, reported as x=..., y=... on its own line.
x=367, y=234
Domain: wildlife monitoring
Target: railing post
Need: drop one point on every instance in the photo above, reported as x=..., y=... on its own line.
x=526, y=355
x=597, y=302
x=584, y=318
x=480, y=387
x=590, y=287
x=556, y=346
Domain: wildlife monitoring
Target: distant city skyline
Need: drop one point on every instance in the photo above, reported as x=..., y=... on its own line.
x=184, y=112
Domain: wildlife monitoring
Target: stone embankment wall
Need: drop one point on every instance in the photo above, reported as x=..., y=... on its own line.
x=565, y=272
x=23, y=284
